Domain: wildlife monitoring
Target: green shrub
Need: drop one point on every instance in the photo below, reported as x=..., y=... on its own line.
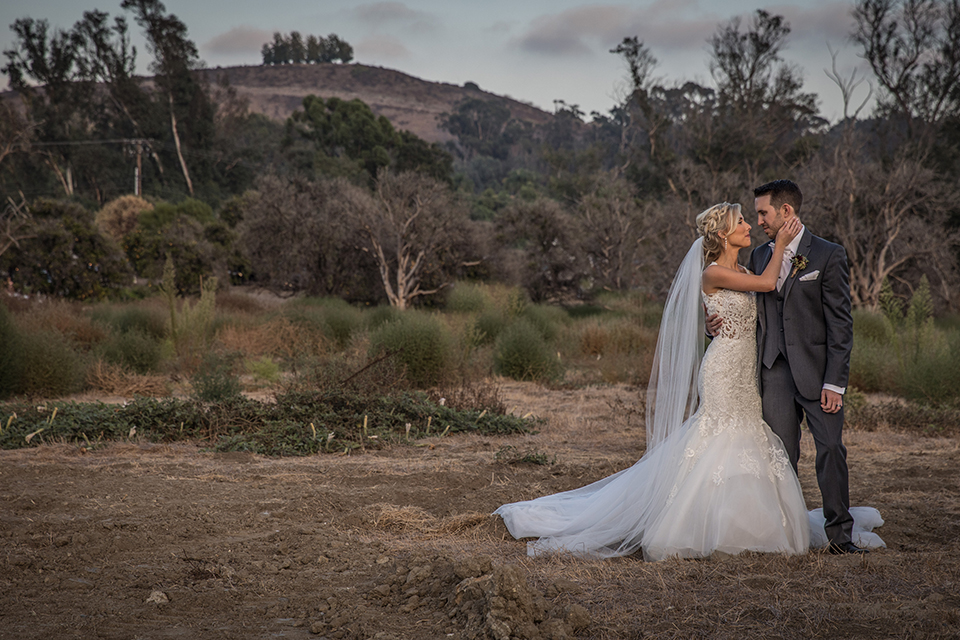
x=335, y=319
x=133, y=349
x=521, y=353
x=546, y=319
x=151, y=321
x=49, y=366
x=381, y=315
x=873, y=366
x=635, y=305
x=931, y=375
x=423, y=344
x=489, y=325
x=298, y=423
x=341, y=323
x=64, y=254
x=872, y=326
x=466, y=297
x=214, y=380
x=263, y=369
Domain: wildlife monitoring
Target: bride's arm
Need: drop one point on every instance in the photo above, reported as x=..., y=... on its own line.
x=716, y=277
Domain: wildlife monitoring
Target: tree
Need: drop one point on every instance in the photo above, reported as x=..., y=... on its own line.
x=890, y=217
x=302, y=236
x=762, y=111
x=296, y=47
x=414, y=229
x=65, y=255
x=640, y=115
x=548, y=239
x=613, y=232
x=348, y=138
x=483, y=127
x=175, y=58
x=39, y=57
x=913, y=47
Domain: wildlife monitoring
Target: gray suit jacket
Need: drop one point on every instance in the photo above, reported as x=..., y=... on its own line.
x=817, y=325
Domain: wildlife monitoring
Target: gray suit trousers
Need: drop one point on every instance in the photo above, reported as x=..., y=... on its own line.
x=783, y=409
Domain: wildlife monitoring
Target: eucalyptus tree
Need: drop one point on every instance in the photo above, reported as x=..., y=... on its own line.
x=188, y=106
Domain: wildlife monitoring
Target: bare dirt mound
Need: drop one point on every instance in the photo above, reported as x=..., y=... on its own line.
x=137, y=540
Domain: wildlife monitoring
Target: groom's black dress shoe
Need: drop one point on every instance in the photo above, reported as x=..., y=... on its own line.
x=846, y=547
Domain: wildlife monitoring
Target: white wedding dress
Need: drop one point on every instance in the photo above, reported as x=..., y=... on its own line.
x=721, y=482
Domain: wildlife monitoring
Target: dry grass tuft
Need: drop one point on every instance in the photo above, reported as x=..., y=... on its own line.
x=115, y=380
x=395, y=519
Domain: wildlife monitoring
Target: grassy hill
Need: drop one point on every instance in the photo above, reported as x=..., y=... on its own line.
x=408, y=102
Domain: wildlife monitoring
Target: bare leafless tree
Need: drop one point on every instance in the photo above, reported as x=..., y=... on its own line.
x=890, y=217
x=413, y=226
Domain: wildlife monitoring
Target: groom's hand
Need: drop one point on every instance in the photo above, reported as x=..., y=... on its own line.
x=713, y=323
x=830, y=401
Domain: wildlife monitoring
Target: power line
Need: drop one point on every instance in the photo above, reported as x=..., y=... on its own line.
x=64, y=143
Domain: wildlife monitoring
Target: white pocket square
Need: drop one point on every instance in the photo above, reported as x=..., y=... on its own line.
x=810, y=276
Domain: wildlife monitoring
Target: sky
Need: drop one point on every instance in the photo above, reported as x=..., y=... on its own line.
x=536, y=51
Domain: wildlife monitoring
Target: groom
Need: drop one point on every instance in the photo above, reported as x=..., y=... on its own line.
x=804, y=343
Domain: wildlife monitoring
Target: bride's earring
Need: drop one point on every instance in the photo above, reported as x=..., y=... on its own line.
x=724, y=243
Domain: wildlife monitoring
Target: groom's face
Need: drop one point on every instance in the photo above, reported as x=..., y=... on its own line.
x=769, y=218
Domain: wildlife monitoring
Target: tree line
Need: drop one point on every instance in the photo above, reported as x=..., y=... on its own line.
x=337, y=202
x=293, y=49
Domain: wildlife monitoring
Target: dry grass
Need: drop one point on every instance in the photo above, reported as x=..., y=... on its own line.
x=115, y=380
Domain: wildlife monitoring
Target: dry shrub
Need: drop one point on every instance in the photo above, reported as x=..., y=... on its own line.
x=232, y=301
x=115, y=380
x=119, y=217
x=278, y=337
x=66, y=318
x=594, y=339
x=485, y=394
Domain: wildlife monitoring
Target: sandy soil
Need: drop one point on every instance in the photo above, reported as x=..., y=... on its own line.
x=135, y=540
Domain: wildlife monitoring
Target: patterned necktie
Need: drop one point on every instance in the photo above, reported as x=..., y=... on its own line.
x=784, y=268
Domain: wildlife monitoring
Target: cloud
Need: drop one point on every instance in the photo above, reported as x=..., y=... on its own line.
x=383, y=14
x=667, y=25
x=584, y=30
x=381, y=48
x=239, y=40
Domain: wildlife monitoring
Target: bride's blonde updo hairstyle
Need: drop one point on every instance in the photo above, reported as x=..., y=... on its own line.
x=720, y=218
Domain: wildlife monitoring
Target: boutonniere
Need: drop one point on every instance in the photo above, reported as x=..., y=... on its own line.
x=799, y=264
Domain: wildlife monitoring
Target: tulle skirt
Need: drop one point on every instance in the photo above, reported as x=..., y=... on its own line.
x=704, y=489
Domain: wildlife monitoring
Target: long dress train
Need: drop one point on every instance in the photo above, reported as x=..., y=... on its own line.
x=721, y=482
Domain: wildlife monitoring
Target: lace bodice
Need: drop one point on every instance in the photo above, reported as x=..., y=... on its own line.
x=738, y=310
x=728, y=372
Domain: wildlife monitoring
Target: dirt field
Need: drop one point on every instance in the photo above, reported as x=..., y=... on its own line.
x=152, y=541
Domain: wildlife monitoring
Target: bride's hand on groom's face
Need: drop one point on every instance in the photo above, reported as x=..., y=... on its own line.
x=790, y=230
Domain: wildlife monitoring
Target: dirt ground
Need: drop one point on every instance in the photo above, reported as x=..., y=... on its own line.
x=137, y=540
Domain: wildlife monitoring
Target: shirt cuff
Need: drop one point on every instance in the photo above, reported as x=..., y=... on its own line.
x=835, y=388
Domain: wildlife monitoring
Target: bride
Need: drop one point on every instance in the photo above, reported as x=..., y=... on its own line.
x=714, y=476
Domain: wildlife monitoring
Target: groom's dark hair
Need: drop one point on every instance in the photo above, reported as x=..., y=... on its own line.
x=781, y=192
